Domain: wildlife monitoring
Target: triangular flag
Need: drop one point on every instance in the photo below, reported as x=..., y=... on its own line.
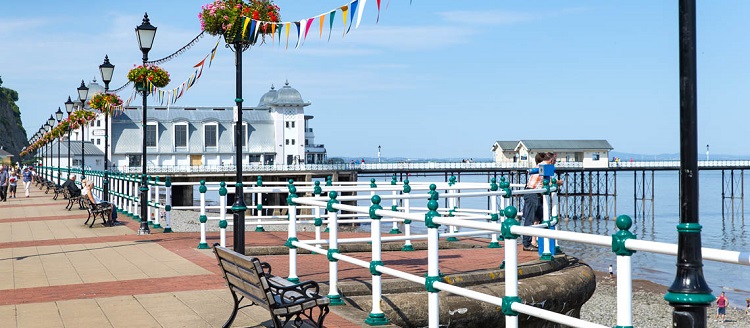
x=273, y=33
x=378, y=20
x=344, y=10
x=322, y=19
x=309, y=23
x=352, y=11
x=245, y=22
x=299, y=31
x=330, y=23
x=287, y=34
x=213, y=53
x=359, y=15
x=253, y=30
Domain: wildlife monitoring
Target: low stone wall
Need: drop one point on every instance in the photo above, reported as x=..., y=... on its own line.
x=562, y=285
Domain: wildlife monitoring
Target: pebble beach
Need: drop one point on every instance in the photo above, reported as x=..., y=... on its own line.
x=649, y=307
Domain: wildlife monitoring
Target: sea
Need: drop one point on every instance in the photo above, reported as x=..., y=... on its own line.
x=726, y=232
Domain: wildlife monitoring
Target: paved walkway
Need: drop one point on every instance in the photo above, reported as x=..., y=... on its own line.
x=57, y=272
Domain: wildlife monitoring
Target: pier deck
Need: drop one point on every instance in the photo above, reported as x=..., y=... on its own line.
x=57, y=272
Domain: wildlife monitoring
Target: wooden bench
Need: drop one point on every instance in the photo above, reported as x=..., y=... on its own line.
x=102, y=210
x=250, y=278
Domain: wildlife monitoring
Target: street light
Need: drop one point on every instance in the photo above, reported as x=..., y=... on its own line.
x=83, y=93
x=106, y=69
x=45, y=129
x=378, y=153
x=146, y=33
x=69, y=110
x=39, y=135
x=58, y=116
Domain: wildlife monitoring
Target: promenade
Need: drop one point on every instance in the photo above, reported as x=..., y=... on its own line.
x=57, y=272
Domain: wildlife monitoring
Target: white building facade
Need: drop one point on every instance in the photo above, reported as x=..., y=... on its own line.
x=590, y=153
x=277, y=131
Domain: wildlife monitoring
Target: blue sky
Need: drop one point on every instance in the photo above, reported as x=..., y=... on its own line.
x=431, y=79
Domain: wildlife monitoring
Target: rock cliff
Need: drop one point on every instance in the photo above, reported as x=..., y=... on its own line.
x=12, y=133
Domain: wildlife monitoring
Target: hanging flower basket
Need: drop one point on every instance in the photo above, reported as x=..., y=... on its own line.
x=105, y=102
x=151, y=73
x=227, y=18
x=81, y=118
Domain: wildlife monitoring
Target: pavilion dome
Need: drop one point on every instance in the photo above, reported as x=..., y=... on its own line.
x=268, y=97
x=288, y=96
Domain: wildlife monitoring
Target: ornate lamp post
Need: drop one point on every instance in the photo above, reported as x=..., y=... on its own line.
x=69, y=110
x=45, y=128
x=106, y=69
x=239, y=207
x=58, y=116
x=40, y=151
x=146, y=33
x=689, y=294
x=83, y=93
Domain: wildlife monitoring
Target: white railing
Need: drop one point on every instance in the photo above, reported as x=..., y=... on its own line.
x=510, y=231
x=409, y=166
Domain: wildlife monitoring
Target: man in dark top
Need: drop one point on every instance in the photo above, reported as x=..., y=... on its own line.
x=70, y=184
x=4, y=182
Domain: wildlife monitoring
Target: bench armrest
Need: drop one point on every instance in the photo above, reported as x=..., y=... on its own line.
x=296, y=292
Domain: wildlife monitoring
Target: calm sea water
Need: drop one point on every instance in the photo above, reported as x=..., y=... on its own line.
x=722, y=233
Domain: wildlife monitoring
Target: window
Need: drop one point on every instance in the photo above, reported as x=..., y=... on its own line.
x=211, y=134
x=287, y=141
x=151, y=130
x=292, y=141
x=244, y=134
x=290, y=124
x=98, y=142
x=254, y=158
x=595, y=156
x=98, y=123
x=134, y=160
x=180, y=135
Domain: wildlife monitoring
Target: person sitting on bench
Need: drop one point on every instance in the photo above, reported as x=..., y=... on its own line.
x=97, y=201
x=70, y=184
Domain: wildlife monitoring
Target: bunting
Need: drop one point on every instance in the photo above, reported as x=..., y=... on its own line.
x=171, y=96
x=351, y=15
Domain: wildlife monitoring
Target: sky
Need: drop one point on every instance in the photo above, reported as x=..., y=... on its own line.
x=431, y=79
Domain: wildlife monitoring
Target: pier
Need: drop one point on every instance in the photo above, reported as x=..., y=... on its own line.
x=57, y=272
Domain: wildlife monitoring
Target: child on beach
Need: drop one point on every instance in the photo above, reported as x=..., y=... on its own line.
x=611, y=272
x=722, y=302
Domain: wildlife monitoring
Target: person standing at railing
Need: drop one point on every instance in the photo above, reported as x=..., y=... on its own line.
x=532, y=203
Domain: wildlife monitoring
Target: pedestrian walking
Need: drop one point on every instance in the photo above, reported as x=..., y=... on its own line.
x=611, y=272
x=14, y=177
x=532, y=203
x=26, y=180
x=4, y=181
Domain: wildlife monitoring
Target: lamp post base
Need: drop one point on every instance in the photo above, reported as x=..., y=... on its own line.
x=142, y=231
